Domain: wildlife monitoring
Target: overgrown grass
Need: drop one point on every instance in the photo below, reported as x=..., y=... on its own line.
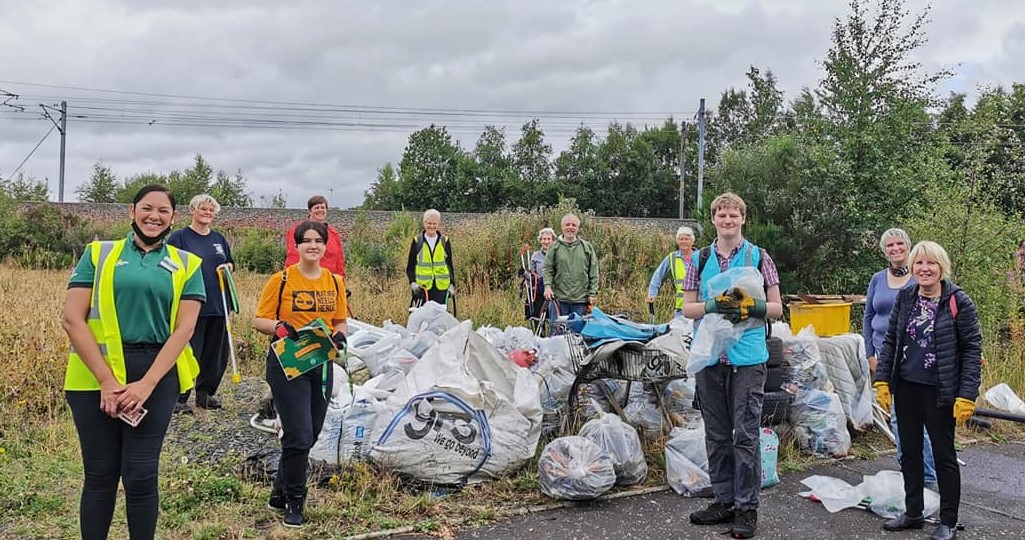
x=40, y=467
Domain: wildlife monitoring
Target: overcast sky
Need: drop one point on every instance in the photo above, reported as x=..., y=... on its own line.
x=313, y=96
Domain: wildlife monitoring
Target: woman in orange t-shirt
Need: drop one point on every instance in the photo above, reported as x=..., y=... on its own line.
x=293, y=298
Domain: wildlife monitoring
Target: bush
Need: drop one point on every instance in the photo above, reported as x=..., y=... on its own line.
x=258, y=250
x=43, y=236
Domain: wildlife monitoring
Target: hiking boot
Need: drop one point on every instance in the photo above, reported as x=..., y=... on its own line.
x=944, y=532
x=206, y=401
x=903, y=522
x=744, y=523
x=294, y=512
x=181, y=407
x=715, y=514
x=276, y=503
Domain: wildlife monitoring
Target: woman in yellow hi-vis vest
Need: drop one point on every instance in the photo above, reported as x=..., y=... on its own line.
x=429, y=267
x=677, y=264
x=130, y=310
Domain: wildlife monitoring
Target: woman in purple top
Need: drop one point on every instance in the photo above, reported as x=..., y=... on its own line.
x=882, y=292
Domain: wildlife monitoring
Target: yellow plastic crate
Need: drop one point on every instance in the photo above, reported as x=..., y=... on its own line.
x=827, y=319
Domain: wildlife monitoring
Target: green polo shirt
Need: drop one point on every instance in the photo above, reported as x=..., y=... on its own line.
x=142, y=291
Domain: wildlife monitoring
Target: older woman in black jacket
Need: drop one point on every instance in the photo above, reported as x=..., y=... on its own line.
x=929, y=368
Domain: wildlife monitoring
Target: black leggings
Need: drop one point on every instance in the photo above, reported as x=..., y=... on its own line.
x=112, y=450
x=915, y=405
x=210, y=343
x=301, y=404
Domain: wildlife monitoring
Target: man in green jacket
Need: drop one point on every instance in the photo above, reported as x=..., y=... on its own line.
x=571, y=271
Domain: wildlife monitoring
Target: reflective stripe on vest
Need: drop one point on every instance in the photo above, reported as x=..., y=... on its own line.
x=103, y=323
x=679, y=271
x=432, y=267
x=751, y=348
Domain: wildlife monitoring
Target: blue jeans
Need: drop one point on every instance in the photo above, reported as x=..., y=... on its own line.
x=564, y=309
x=930, y=462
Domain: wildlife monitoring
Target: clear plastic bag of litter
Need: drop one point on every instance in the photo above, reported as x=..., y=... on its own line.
x=687, y=461
x=621, y=442
x=714, y=335
x=575, y=469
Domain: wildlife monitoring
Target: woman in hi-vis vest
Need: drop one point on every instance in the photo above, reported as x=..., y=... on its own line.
x=429, y=265
x=130, y=310
x=676, y=264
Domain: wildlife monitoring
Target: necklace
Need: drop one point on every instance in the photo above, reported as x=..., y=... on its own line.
x=898, y=272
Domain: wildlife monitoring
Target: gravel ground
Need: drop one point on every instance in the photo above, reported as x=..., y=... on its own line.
x=211, y=436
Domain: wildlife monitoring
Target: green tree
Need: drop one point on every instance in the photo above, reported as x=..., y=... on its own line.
x=136, y=182
x=578, y=168
x=428, y=169
x=385, y=192
x=531, y=160
x=102, y=186
x=192, y=181
x=984, y=146
x=231, y=191
x=874, y=100
x=493, y=170
x=25, y=188
x=747, y=116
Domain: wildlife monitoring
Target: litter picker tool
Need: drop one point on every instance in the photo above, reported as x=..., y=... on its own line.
x=223, y=271
x=651, y=313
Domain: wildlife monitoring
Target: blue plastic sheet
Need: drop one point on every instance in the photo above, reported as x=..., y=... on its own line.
x=599, y=329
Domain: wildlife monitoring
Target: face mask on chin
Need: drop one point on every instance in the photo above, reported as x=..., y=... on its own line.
x=149, y=240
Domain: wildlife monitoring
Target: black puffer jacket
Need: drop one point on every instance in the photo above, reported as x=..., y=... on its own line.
x=958, y=345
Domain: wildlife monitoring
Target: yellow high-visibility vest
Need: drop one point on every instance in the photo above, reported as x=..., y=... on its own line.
x=679, y=271
x=103, y=323
x=433, y=267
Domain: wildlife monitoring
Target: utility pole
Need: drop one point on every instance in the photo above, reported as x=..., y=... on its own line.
x=701, y=153
x=62, y=127
x=64, y=136
x=683, y=167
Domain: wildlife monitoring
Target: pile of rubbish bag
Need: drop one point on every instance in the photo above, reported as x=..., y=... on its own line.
x=436, y=402
x=442, y=404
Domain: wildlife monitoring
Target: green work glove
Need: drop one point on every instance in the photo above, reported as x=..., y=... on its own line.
x=721, y=304
x=750, y=307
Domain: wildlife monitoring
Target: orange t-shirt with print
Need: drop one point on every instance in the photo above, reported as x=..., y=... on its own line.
x=304, y=300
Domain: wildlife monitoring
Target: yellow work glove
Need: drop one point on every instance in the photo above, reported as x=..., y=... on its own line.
x=963, y=409
x=883, y=396
x=749, y=307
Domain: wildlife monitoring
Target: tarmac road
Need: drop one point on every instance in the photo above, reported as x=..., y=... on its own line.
x=992, y=507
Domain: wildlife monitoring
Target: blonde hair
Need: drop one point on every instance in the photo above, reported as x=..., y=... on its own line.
x=728, y=200
x=204, y=198
x=931, y=251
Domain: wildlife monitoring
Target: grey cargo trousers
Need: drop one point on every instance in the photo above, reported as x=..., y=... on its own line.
x=731, y=405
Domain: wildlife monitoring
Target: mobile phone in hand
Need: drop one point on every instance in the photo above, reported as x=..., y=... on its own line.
x=133, y=419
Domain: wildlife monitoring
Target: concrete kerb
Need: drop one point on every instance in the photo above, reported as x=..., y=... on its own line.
x=518, y=511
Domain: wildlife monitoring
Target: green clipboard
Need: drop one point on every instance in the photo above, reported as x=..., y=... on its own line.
x=313, y=348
